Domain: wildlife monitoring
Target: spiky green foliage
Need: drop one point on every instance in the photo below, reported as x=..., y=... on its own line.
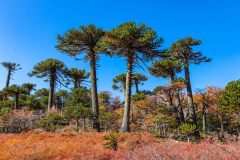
x=12, y=68
x=79, y=95
x=78, y=112
x=139, y=79
x=119, y=82
x=78, y=76
x=52, y=122
x=187, y=129
x=29, y=87
x=49, y=68
x=61, y=97
x=15, y=91
x=138, y=96
x=166, y=68
x=42, y=92
x=112, y=140
x=80, y=41
x=53, y=71
x=84, y=41
x=183, y=51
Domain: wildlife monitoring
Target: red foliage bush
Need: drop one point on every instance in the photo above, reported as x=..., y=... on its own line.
x=89, y=146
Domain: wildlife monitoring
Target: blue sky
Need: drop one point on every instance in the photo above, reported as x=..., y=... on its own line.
x=28, y=29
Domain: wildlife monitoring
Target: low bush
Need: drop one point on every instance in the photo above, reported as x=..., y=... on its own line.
x=52, y=122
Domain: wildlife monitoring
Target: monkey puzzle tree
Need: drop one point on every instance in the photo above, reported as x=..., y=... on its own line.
x=168, y=68
x=54, y=71
x=29, y=87
x=60, y=100
x=182, y=50
x=12, y=68
x=78, y=76
x=119, y=82
x=135, y=43
x=138, y=79
x=15, y=91
x=84, y=41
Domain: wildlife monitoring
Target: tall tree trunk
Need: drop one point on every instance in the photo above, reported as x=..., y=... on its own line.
x=95, y=107
x=179, y=107
x=51, y=92
x=8, y=78
x=16, y=101
x=75, y=84
x=126, y=116
x=178, y=104
x=221, y=134
x=28, y=92
x=136, y=85
x=204, y=118
x=191, y=109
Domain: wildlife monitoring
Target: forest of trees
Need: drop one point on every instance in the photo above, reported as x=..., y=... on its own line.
x=73, y=100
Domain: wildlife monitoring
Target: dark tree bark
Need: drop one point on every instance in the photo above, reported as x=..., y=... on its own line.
x=126, y=117
x=51, y=92
x=178, y=105
x=179, y=108
x=191, y=108
x=95, y=107
x=16, y=101
x=75, y=84
x=8, y=78
x=136, y=85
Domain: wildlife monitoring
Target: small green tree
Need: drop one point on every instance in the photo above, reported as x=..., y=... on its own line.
x=79, y=95
x=138, y=96
x=29, y=87
x=15, y=91
x=12, y=68
x=119, y=82
x=4, y=111
x=78, y=76
x=52, y=122
x=229, y=105
x=54, y=72
x=111, y=141
x=229, y=100
x=138, y=79
x=42, y=96
x=78, y=112
x=33, y=103
x=187, y=129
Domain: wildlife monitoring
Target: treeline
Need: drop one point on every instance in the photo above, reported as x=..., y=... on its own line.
x=173, y=107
